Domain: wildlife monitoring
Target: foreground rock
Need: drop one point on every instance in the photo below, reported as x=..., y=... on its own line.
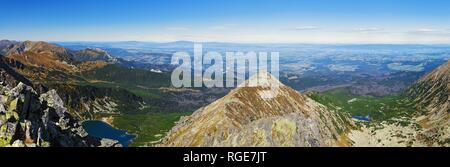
x=30, y=119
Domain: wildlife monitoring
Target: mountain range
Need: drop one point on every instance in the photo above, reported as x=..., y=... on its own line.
x=48, y=90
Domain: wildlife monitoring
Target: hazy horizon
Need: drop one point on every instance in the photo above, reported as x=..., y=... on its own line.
x=224, y=42
x=233, y=21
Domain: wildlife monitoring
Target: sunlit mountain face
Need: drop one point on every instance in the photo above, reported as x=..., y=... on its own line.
x=178, y=73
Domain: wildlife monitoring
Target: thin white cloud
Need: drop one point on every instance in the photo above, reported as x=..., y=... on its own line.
x=426, y=30
x=218, y=27
x=303, y=28
x=430, y=31
x=230, y=24
x=222, y=27
x=368, y=30
x=201, y=37
x=177, y=28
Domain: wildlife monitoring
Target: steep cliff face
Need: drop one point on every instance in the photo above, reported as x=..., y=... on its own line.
x=264, y=115
x=32, y=119
x=431, y=93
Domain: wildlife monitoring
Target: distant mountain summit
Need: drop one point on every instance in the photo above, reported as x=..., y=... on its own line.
x=40, y=54
x=37, y=47
x=431, y=93
x=54, y=57
x=6, y=43
x=269, y=114
x=94, y=54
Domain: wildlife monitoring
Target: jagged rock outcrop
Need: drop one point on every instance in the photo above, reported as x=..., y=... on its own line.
x=30, y=119
x=431, y=93
x=269, y=114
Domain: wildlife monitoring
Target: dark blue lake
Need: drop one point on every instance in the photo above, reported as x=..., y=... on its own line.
x=362, y=118
x=103, y=130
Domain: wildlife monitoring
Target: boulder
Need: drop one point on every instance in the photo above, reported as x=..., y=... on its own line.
x=2, y=120
x=12, y=116
x=3, y=98
x=13, y=105
x=109, y=143
x=52, y=99
x=18, y=143
x=15, y=92
x=2, y=109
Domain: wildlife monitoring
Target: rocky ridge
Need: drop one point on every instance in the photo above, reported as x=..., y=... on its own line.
x=431, y=93
x=32, y=119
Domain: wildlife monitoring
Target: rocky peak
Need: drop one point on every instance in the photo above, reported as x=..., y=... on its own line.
x=264, y=114
x=37, y=47
x=41, y=54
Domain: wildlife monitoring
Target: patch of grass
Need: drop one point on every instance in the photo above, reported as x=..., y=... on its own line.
x=149, y=127
x=377, y=108
x=151, y=93
x=127, y=76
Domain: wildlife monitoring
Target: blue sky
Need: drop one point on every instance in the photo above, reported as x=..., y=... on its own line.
x=312, y=21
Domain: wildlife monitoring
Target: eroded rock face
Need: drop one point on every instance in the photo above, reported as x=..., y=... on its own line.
x=29, y=119
x=431, y=93
x=263, y=115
